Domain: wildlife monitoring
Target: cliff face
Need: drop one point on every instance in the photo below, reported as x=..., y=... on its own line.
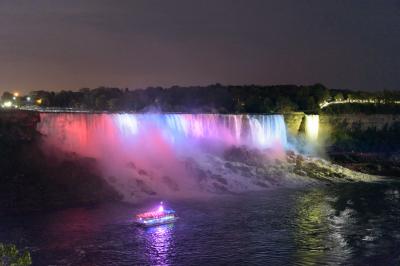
x=349, y=132
x=32, y=179
x=351, y=122
x=366, y=143
x=294, y=122
x=328, y=124
x=18, y=125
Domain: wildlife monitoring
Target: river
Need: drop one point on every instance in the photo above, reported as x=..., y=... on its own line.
x=348, y=224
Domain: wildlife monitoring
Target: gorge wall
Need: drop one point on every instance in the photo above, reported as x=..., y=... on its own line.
x=368, y=143
x=32, y=179
x=328, y=124
x=18, y=125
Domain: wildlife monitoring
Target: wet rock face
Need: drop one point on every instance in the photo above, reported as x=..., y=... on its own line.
x=34, y=180
x=18, y=125
x=384, y=164
x=245, y=155
x=243, y=169
x=171, y=184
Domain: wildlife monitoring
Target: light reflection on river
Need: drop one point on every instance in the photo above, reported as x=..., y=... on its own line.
x=158, y=240
x=352, y=224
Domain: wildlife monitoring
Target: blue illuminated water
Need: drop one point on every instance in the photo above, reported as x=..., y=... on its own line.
x=352, y=224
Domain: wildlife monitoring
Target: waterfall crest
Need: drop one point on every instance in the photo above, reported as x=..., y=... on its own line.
x=257, y=131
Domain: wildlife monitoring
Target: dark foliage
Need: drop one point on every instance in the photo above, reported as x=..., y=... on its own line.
x=358, y=108
x=210, y=99
x=215, y=98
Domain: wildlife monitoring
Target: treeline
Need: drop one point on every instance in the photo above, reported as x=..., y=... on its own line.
x=358, y=108
x=215, y=98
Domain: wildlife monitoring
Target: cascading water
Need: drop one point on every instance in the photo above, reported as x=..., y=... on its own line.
x=312, y=126
x=147, y=152
x=81, y=132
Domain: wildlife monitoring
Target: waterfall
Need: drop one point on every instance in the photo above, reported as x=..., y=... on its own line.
x=84, y=130
x=312, y=126
x=143, y=155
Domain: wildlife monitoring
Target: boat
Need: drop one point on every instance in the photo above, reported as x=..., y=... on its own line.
x=157, y=217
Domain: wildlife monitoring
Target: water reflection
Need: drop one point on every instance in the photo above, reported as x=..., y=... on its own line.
x=320, y=229
x=74, y=223
x=350, y=222
x=311, y=228
x=158, y=243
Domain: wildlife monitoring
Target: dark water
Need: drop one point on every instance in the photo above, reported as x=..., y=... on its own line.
x=354, y=224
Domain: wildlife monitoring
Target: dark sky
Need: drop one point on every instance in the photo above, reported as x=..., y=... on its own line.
x=73, y=44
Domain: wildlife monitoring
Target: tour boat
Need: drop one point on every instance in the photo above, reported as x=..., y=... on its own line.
x=157, y=217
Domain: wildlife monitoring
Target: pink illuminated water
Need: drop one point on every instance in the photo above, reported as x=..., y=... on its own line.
x=147, y=149
x=84, y=130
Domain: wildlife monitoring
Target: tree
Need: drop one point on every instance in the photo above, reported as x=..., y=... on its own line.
x=253, y=104
x=44, y=98
x=285, y=105
x=320, y=93
x=268, y=105
x=311, y=104
x=101, y=102
x=10, y=256
x=113, y=104
x=338, y=97
x=7, y=96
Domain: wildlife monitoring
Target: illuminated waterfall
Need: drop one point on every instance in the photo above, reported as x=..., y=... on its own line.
x=84, y=131
x=312, y=126
x=143, y=155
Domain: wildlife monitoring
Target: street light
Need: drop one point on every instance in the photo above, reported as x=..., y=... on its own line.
x=7, y=104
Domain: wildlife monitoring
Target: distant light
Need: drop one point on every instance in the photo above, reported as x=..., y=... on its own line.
x=16, y=94
x=7, y=104
x=14, y=98
x=39, y=101
x=28, y=99
x=161, y=208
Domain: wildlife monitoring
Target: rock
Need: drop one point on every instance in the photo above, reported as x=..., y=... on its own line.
x=144, y=187
x=220, y=179
x=142, y=172
x=131, y=165
x=171, y=184
x=301, y=172
x=34, y=180
x=220, y=188
x=112, y=179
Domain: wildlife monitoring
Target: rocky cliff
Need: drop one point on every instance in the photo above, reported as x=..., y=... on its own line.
x=329, y=124
x=18, y=125
x=364, y=142
x=34, y=180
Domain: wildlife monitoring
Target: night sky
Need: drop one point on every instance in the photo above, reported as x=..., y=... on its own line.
x=73, y=44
